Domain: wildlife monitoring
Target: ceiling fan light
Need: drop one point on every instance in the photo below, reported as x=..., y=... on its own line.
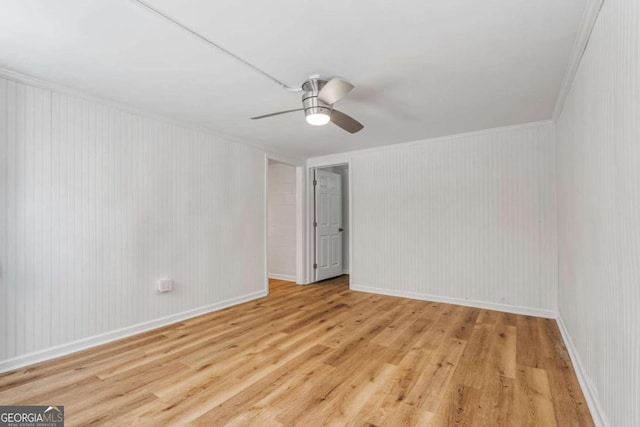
x=318, y=119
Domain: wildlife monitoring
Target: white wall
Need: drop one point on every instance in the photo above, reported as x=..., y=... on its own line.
x=599, y=214
x=281, y=221
x=97, y=203
x=467, y=219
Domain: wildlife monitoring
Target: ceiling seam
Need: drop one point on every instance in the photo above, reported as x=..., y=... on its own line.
x=215, y=45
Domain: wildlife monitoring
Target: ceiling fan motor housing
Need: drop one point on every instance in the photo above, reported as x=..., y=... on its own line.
x=310, y=101
x=317, y=102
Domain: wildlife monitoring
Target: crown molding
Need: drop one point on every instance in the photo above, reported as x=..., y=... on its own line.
x=18, y=77
x=339, y=158
x=591, y=12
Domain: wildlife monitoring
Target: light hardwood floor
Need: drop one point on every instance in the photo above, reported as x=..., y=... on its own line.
x=315, y=355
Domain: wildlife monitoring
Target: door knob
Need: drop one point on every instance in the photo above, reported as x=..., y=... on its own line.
x=340, y=229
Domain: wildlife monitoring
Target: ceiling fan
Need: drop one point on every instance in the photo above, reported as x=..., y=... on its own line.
x=319, y=94
x=317, y=103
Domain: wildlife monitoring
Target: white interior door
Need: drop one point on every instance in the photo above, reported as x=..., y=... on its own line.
x=328, y=224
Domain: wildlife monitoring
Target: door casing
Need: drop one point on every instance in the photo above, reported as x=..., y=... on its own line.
x=328, y=224
x=310, y=241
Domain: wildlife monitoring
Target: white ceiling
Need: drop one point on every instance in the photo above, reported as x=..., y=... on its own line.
x=422, y=68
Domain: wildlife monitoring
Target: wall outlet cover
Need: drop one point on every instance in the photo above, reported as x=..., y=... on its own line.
x=165, y=285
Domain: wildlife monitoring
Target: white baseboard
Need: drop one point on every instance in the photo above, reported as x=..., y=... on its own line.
x=588, y=389
x=282, y=277
x=72, y=347
x=528, y=311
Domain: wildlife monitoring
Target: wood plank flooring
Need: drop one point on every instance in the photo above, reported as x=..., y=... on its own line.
x=319, y=355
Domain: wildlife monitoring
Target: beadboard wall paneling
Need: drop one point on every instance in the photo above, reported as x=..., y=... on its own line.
x=281, y=221
x=599, y=220
x=99, y=203
x=470, y=218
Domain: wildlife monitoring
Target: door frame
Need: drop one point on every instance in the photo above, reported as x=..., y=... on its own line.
x=300, y=217
x=310, y=211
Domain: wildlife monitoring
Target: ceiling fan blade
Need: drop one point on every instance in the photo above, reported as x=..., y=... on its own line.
x=334, y=90
x=346, y=122
x=276, y=114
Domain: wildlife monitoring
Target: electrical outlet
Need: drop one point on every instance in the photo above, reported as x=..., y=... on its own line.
x=165, y=285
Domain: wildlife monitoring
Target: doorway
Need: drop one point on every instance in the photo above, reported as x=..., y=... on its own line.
x=330, y=222
x=281, y=221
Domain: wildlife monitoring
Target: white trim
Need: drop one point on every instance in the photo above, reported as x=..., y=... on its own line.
x=301, y=234
x=68, y=91
x=286, y=277
x=287, y=160
x=589, y=17
x=334, y=160
x=351, y=216
x=85, y=343
x=341, y=158
x=265, y=240
x=308, y=221
x=299, y=277
x=588, y=389
x=527, y=311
